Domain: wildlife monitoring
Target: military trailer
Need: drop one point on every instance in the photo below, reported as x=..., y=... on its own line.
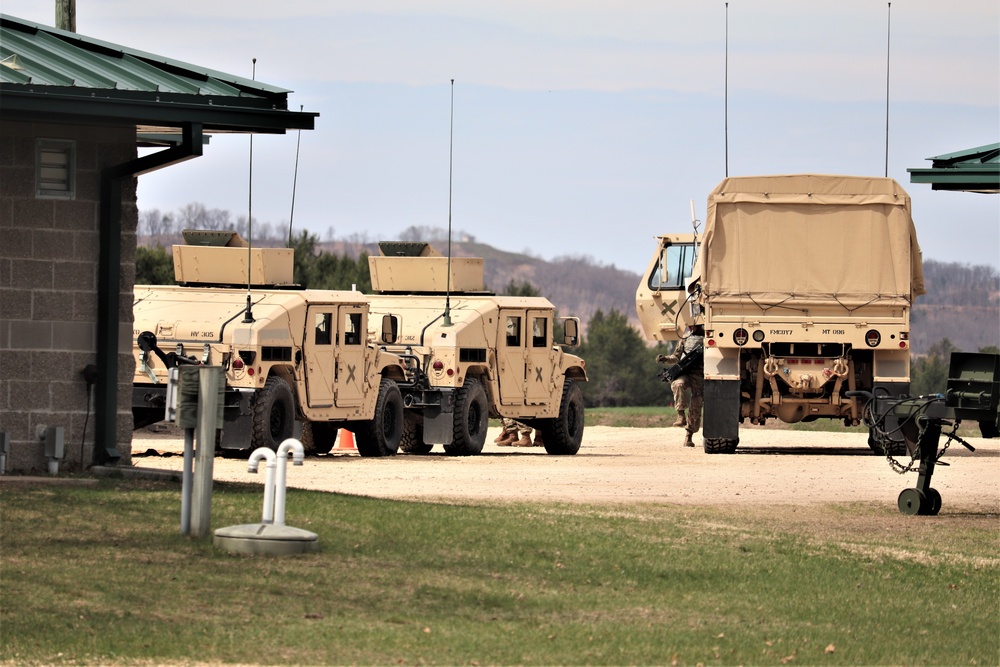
x=804, y=284
x=288, y=354
x=471, y=355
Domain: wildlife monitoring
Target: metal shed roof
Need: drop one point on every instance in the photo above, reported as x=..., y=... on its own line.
x=53, y=75
x=971, y=170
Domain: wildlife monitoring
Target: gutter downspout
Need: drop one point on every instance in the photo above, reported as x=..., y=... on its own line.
x=109, y=283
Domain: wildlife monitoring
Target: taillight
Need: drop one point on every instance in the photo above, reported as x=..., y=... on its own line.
x=437, y=365
x=237, y=364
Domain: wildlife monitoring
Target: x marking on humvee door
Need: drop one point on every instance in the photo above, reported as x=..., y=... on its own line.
x=538, y=374
x=350, y=372
x=668, y=308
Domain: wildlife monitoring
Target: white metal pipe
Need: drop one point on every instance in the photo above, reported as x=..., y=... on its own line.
x=298, y=456
x=265, y=453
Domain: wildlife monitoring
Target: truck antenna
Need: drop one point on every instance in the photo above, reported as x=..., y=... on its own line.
x=726, y=95
x=451, y=153
x=888, y=44
x=248, y=317
x=295, y=179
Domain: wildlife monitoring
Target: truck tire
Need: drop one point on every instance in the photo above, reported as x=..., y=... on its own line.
x=563, y=435
x=721, y=445
x=886, y=447
x=381, y=435
x=721, y=421
x=412, y=441
x=319, y=437
x=471, y=420
x=273, y=414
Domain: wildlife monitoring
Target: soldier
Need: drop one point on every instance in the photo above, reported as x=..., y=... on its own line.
x=693, y=380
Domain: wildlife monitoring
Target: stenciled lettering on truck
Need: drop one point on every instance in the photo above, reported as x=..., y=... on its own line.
x=781, y=332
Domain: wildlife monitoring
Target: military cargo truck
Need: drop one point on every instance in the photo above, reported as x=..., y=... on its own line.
x=471, y=355
x=288, y=354
x=804, y=284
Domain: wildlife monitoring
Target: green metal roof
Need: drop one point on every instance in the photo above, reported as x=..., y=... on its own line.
x=53, y=75
x=971, y=170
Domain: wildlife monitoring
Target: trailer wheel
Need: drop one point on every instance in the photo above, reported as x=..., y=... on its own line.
x=563, y=435
x=721, y=445
x=319, y=437
x=413, y=434
x=381, y=435
x=471, y=420
x=273, y=414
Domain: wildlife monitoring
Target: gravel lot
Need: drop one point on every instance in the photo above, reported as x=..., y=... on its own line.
x=633, y=465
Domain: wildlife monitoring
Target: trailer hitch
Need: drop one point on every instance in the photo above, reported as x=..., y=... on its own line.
x=973, y=394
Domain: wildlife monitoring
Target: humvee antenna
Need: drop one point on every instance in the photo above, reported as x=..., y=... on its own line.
x=451, y=153
x=888, y=44
x=249, y=314
x=295, y=178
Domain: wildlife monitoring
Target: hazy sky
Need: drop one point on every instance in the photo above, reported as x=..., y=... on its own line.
x=581, y=128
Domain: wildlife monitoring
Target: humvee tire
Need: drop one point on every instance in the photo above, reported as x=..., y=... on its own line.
x=471, y=420
x=381, y=435
x=319, y=437
x=412, y=441
x=563, y=435
x=273, y=414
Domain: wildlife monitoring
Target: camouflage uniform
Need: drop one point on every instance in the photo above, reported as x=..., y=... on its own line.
x=693, y=380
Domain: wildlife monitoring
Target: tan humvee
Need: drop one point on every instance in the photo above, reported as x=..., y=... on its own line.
x=294, y=355
x=804, y=284
x=471, y=355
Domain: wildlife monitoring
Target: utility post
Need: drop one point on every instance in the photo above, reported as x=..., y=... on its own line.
x=209, y=406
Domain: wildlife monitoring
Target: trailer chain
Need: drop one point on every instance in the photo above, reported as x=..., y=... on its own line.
x=915, y=458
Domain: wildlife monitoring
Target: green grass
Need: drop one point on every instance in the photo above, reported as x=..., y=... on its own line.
x=100, y=575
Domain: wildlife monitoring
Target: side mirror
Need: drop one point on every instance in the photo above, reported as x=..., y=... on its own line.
x=571, y=332
x=390, y=329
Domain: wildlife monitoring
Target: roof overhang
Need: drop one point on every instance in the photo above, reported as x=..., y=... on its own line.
x=971, y=170
x=55, y=76
x=161, y=116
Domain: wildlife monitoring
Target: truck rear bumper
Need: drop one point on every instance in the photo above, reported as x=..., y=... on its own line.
x=149, y=404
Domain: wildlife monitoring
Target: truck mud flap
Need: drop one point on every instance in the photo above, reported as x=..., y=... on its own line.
x=438, y=410
x=722, y=409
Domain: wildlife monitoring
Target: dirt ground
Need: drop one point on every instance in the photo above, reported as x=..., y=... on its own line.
x=632, y=465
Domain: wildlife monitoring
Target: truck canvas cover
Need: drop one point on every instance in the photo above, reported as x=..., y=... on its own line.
x=817, y=238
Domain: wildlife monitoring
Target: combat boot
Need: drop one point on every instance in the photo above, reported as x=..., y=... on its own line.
x=688, y=439
x=681, y=419
x=538, y=439
x=506, y=439
x=525, y=440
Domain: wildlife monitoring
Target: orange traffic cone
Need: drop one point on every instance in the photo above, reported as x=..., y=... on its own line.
x=346, y=440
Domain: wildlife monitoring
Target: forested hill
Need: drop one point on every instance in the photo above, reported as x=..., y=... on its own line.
x=962, y=302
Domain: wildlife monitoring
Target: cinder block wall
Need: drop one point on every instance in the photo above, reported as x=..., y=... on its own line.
x=48, y=294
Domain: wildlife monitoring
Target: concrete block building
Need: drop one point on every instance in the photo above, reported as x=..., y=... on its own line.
x=74, y=112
